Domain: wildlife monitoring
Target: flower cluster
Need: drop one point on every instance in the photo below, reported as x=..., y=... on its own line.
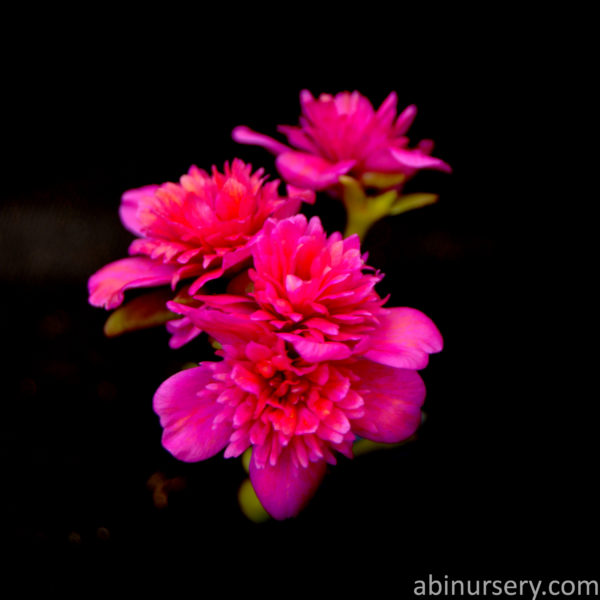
x=341, y=135
x=311, y=357
x=199, y=229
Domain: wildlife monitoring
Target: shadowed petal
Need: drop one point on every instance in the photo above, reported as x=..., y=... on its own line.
x=284, y=489
x=107, y=285
x=190, y=433
x=404, y=340
x=140, y=313
x=310, y=171
x=392, y=402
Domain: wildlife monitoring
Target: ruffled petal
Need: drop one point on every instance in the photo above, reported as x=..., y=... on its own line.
x=190, y=431
x=404, y=339
x=245, y=135
x=310, y=171
x=130, y=202
x=392, y=402
x=284, y=489
x=107, y=285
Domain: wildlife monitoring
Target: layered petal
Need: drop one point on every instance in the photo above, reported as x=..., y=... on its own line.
x=188, y=414
x=392, y=402
x=285, y=488
x=107, y=285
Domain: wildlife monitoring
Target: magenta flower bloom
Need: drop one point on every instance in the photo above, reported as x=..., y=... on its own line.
x=311, y=360
x=200, y=228
x=344, y=135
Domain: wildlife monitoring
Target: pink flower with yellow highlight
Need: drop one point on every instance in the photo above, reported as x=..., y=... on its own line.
x=344, y=135
x=311, y=360
x=199, y=229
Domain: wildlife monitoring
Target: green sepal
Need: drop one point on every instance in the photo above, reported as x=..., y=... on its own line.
x=142, y=312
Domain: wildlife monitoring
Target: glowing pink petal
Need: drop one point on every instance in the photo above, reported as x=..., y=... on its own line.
x=415, y=159
x=191, y=431
x=310, y=171
x=405, y=120
x=387, y=111
x=107, y=285
x=130, y=203
x=245, y=135
x=404, y=339
x=284, y=489
x=314, y=351
x=392, y=402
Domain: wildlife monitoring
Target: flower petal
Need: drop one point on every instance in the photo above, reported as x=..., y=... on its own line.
x=314, y=351
x=416, y=159
x=310, y=171
x=190, y=433
x=284, y=489
x=107, y=285
x=392, y=402
x=405, y=120
x=404, y=339
x=245, y=135
x=130, y=202
x=234, y=328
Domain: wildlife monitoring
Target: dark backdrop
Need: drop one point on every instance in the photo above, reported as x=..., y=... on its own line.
x=500, y=482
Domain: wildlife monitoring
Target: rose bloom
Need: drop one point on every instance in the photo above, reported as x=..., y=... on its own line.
x=311, y=359
x=344, y=135
x=200, y=229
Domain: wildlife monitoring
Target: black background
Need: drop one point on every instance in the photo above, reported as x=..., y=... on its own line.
x=501, y=480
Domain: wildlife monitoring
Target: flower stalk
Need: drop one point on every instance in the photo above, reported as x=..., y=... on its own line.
x=364, y=211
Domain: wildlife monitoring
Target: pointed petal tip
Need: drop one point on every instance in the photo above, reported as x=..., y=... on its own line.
x=285, y=488
x=245, y=135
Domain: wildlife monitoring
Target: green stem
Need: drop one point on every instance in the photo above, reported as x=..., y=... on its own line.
x=363, y=212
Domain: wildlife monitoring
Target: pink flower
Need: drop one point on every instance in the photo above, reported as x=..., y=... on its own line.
x=341, y=135
x=200, y=228
x=311, y=360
